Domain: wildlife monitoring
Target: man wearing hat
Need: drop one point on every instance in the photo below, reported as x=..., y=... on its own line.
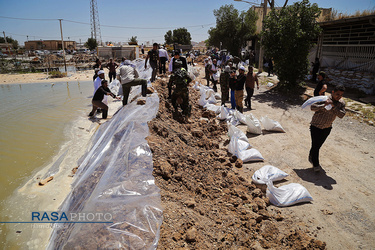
x=224, y=85
x=321, y=87
x=173, y=66
x=238, y=93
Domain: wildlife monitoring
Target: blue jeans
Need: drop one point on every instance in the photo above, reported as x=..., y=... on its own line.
x=232, y=100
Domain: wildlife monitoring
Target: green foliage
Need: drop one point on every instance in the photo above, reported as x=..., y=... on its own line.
x=56, y=74
x=168, y=37
x=233, y=28
x=91, y=43
x=287, y=38
x=133, y=40
x=180, y=36
x=10, y=41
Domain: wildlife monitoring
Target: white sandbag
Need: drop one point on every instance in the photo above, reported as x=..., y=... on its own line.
x=268, y=172
x=253, y=124
x=239, y=116
x=287, y=195
x=212, y=107
x=212, y=99
x=271, y=125
x=233, y=129
x=223, y=113
x=312, y=100
x=217, y=96
x=196, y=85
x=202, y=100
x=239, y=147
x=216, y=76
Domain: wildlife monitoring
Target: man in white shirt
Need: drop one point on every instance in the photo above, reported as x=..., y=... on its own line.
x=163, y=55
x=129, y=78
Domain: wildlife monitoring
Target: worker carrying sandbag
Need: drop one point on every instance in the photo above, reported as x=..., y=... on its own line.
x=180, y=96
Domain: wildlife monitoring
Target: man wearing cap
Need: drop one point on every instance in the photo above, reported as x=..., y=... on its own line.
x=224, y=85
x=321, y=123
x=251, y=79
x=153, y=55
x=173, y=66
x=180, y=95
x=112, y=66
x=163, y=55
x=321, y=87
x=129, y=77
x=97, y=100
x=238, y=93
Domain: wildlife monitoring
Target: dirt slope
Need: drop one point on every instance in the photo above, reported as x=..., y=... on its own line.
x=209, y=201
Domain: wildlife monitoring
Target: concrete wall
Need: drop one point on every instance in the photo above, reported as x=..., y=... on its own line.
x=130, y=52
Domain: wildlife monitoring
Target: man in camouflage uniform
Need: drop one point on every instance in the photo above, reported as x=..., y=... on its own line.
x=224, y=84
x=180, y=96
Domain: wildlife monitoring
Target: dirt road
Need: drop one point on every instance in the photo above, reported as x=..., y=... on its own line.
x=206, y=195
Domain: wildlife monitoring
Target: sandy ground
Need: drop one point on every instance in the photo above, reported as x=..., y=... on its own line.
x=342, y=213
x=43, y=77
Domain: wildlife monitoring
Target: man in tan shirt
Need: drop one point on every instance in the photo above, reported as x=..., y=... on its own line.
x=321, y=123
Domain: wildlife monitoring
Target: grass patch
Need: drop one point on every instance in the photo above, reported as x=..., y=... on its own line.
x=56, y=74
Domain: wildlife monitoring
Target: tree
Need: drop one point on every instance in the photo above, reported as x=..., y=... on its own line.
x=10, y=40
x=232, y=29
x=91, y=43
x=287, y=38
x=168, y=37
x=133, y=40
x=180, y=36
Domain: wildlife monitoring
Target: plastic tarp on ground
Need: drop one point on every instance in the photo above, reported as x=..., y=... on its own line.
x=114, y=178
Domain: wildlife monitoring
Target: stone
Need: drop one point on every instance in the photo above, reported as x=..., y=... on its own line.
x=197, y=133
x=238, y=163
x=141, y=102
x=45, y=181
x=191, y=235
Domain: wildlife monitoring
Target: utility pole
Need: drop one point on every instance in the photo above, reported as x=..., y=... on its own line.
x=62, y=41
x=261, y=39
x=5, y=38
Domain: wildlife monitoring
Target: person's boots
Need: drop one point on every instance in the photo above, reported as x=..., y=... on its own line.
x=144, y=90
x=104, y=114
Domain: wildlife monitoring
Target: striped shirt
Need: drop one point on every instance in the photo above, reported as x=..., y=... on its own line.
x=324, y=118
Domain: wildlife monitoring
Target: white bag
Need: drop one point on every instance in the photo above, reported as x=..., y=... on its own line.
x=271, y=125
x=216, y=76
x=253, y=124
x=224, y=113
x=196, y=85
x=212, y=99
x=238, y=146
x=268, y=172
x=287, y=195
x=212, y=107
x=202, y=101
x=312, y=100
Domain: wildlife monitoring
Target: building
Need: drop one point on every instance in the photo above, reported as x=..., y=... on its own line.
x=49, y=45
x=346, y=50
x=131, y=52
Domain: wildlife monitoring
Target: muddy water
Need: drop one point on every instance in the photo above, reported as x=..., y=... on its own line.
x=35, y=120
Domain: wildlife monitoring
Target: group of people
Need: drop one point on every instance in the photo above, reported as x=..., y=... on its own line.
x=129, y=77
x=233, y=82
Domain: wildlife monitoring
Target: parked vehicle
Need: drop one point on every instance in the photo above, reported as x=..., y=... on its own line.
x=3, y=55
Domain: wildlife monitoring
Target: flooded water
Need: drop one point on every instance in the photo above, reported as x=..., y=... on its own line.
x=35, y=120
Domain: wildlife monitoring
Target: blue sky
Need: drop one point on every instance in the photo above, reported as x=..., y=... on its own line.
x=154, y=17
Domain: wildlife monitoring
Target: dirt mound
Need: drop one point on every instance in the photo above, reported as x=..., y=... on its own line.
x=207, y=204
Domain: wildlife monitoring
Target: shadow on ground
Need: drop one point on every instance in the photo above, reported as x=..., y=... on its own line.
x=278, y=99
x=319, y=178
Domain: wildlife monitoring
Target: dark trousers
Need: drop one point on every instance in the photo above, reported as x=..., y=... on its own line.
x=110, y=75
x=127, y=86
x=154, y=66
x=102, y=106
x=250, y=93
x=318, y=137
x=162, y=65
